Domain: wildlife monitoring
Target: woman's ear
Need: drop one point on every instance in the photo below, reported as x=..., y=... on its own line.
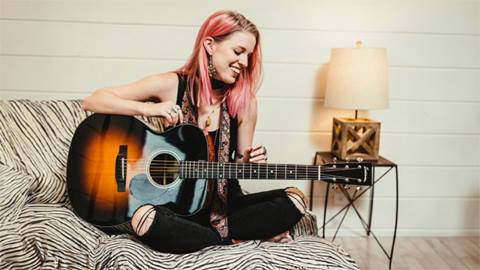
x=209, y=45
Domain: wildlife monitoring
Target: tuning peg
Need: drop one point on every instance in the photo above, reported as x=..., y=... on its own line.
x=359, y=159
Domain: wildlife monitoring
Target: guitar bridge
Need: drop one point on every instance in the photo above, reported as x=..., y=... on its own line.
x=121, y=168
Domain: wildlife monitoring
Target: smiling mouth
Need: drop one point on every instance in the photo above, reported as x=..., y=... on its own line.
x=235, y=70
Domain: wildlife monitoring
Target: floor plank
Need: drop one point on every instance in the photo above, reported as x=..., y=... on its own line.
x=415, y=253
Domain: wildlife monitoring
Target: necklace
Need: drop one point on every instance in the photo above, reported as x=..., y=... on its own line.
x=210, y=140
x=208, y=121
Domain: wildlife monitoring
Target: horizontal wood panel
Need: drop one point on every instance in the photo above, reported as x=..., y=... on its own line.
x=310, y=115
x=403, y=149
x=424, y=117
x=280, y=80
x=447, y=215
x=449, y=17
x=422, y=182
x=19, y=94
x=168, y=42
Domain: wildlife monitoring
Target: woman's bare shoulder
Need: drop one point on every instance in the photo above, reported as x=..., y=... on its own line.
x=162, y=86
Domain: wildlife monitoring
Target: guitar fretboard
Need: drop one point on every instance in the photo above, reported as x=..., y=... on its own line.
x=218, y=170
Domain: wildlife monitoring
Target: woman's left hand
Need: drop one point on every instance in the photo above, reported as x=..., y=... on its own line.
x=257, y=154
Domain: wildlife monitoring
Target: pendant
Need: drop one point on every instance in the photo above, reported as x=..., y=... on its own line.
x=208, y=122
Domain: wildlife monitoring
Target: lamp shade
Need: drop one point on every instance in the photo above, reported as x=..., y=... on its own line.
x=357, y=79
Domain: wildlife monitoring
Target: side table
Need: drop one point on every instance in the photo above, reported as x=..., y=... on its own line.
x=322, y=158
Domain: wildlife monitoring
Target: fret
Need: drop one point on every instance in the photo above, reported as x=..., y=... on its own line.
x=223, y=173
x=189, y=170
x=253, y=171
x=243, y=171
x=229, y=170
x=181, y=170
x=271, y=172
x=281, y=171
x=250, y=170
x=258, y=170
x=223, y=170
x=290, y=172
x=220, y=175
x=206, y=170
x=195, y=169
x=263, y=171
x=301, y=172
x=236, y=170
x=313, y=173
x=184, y=169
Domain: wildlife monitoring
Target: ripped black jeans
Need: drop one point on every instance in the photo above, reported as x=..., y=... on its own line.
x=251, y=217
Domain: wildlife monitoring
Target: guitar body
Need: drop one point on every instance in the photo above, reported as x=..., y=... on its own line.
x=116, y=164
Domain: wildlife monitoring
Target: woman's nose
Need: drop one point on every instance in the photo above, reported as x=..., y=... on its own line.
x=243, y=60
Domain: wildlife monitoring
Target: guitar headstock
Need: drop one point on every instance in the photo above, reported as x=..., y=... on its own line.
x=349, y=173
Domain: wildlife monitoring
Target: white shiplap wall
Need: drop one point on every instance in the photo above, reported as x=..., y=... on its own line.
x=66, y=49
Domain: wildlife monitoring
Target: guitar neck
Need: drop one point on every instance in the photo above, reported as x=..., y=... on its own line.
x=261, y=171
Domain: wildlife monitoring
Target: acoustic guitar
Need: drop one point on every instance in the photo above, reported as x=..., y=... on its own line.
x=118, y=163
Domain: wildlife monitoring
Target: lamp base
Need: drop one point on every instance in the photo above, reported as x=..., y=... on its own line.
x=355, y=138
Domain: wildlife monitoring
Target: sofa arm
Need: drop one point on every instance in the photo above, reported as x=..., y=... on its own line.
x=306, y=226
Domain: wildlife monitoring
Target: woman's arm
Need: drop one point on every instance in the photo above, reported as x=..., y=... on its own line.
x=131, y=99
x=247, y=120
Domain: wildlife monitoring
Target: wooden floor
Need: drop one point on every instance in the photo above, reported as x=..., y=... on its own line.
x=415, y=253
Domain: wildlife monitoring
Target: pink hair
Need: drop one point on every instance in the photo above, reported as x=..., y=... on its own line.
x=218, y=26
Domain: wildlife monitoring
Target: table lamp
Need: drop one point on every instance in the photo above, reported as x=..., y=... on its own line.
x=357, y=79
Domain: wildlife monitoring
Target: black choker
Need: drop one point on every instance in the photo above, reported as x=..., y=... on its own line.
x=217, y=84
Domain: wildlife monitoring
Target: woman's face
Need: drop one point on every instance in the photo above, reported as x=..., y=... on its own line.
x=230, y=56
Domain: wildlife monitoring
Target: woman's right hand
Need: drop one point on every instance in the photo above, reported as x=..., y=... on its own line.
x=170, y=111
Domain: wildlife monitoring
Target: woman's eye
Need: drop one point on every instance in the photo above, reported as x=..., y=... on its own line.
x=238, y=52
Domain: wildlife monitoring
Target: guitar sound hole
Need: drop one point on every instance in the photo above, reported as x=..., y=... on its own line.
x=164, y=169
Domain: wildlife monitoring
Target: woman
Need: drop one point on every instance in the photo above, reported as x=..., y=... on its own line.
x=214, y=90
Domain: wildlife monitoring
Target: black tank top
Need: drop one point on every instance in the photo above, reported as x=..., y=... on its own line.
x=182, y=85
x=234, y=189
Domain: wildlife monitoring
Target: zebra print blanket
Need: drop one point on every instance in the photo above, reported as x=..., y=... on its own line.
x=38, y=230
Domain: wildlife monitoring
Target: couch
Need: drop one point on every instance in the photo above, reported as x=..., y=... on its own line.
x=38, y=229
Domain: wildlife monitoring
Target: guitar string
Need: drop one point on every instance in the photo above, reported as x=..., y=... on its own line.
x=235, y=167
x=202, y=163
x=303, y=175
x=198, y=165
x=191, y=167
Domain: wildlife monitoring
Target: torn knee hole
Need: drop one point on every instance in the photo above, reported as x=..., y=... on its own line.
x=142, y=219
x=298, y=199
